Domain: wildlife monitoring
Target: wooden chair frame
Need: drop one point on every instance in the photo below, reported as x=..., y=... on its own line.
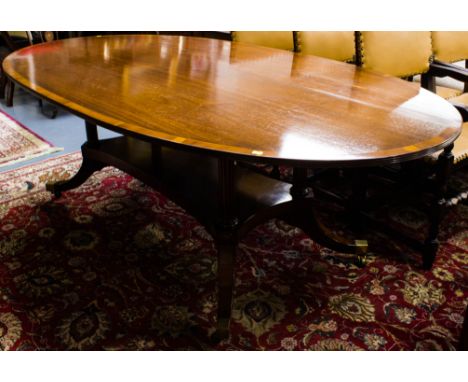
x=7, y=87
x=438, y=173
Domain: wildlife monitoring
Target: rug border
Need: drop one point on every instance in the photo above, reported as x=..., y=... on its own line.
x=39, y=162
x=50, y=147
x=28, y=129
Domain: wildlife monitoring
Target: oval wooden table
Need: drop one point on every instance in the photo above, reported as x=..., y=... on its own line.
x=190, y=108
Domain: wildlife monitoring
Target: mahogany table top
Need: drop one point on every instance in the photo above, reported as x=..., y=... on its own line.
x=238, y=99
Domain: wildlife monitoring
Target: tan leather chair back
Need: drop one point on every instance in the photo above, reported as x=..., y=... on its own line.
x=272, y=39
x=21, y=34
x=335, y=45
x=450, y=46
x=400, y=54
x=16, y=40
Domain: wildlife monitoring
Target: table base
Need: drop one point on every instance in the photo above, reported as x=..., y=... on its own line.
x=228, y=200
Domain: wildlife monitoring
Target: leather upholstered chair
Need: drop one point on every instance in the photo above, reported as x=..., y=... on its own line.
x=405, y=54
x=11, y=42
x=338, y=46
x=273, y=39
x=448, y=48
x=400, y=54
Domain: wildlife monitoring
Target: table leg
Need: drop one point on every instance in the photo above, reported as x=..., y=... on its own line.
x=306, y=218
x=10, y=90
x=88, y=166
x=226, y=247
x=226, y=244
x=3, y=83
x=431, y=245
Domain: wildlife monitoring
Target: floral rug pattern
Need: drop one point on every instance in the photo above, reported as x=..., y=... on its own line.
x=18, y=143
x=116, y=265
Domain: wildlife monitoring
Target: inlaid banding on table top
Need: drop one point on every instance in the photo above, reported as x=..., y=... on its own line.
x=236, y=98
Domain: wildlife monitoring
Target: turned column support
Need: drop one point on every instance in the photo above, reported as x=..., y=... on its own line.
x=92, y=136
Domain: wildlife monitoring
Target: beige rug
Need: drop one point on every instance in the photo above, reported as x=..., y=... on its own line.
x=18, y=143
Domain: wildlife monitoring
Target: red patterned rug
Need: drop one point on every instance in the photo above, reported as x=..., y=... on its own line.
x=116, y=265
x=18, y=143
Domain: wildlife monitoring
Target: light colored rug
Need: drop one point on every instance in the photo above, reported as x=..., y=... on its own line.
x=18, y=143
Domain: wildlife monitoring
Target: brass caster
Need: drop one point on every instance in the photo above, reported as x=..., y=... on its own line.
x=361, y=261
x=361, y=252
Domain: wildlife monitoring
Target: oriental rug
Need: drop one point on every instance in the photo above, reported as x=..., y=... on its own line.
x=115, y=265
x=18, y=143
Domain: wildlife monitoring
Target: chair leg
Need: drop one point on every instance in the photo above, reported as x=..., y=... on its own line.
x=49, y=111
x=10, y=89
x=3, y=82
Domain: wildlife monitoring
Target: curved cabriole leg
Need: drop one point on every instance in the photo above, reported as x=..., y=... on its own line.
x=300, y=212
x=308, y=220
x=88, y=167
x=226, y=243
x=431, y=245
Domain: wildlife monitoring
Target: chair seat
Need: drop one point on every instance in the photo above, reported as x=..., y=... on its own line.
x=460, y=148
x=447, y=93
x=460, y=100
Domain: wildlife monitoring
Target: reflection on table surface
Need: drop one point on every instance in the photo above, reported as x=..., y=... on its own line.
x=238, y=98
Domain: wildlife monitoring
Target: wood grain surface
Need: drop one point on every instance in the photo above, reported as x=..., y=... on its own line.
x=238, y=99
